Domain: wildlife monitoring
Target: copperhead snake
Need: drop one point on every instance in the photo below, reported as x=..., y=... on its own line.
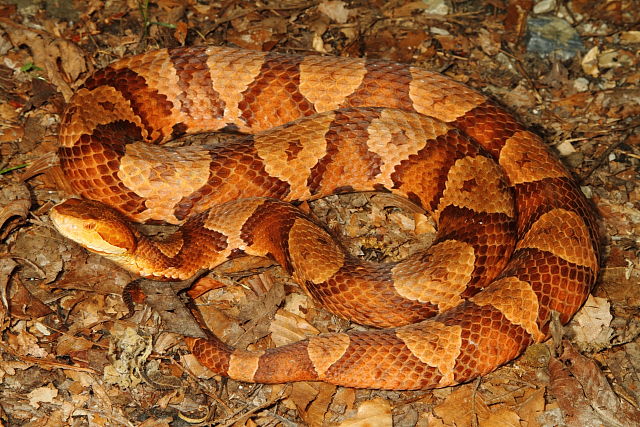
x=516, y=237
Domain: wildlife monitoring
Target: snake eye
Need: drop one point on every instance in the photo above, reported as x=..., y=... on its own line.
x=89, y=225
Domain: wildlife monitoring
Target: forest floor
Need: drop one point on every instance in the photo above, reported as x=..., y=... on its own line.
x=68, y=355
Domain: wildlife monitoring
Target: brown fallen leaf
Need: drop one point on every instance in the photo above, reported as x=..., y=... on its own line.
x=7, y=266
x=15, y=200
x=68, y=344
x=311, y=400
x=344, y=399
x=181, y=32
x=24, y=305
x=316, y=411
x=17, y=208
x=302, y=393
x=503, y=417
x=45, y=394
x=375, y=412
x=624, y=364
x=9, y=116
x=515, y=19
x=591, y=325
x=584, y=395
x=462, y=407
x=531, y=406
x=203, y=285
x=287, y=327
x=617, y=11
x=25, y=343
x=163, y=298
x=62, y=60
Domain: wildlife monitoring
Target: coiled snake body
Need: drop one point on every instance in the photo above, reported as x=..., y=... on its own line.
x=516, y=237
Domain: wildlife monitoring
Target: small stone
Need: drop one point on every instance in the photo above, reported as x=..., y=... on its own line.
x=547, y=35
x=505, y=61
x=544, y=6
x=439, y=31
x=436, y=7
x=581, y=84
x=565, y=148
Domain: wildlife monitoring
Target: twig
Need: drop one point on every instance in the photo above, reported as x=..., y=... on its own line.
x=605, y=154
x=241, y=417
x=474, y=418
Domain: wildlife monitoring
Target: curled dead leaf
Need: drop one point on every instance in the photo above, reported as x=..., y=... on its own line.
x=16, y=209
x=584, y=395
x=62, y=60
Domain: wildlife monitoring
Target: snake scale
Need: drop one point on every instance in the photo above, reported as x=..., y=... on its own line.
x=516, y=238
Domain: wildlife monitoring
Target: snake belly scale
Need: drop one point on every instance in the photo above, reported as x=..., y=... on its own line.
x=516, y=240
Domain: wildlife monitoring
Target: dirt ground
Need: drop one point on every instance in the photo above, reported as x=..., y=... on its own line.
x=68, y=354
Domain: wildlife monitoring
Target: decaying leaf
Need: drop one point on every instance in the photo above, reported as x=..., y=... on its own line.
x=62, y=60
x=375, y=412
x=66, y=305
x=43, y=395
x=584, y=395
x=592, y=325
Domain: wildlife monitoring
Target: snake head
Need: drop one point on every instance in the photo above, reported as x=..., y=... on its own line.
x=95, y=227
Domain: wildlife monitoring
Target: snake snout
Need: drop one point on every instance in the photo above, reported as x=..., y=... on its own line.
x=94, y=227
